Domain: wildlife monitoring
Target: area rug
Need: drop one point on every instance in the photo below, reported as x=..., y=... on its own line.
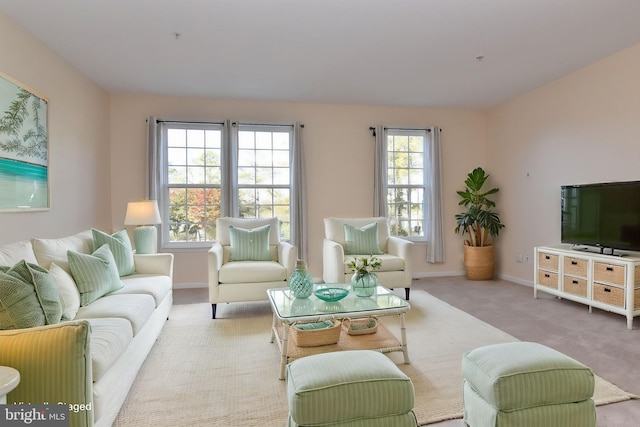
x=204, y=372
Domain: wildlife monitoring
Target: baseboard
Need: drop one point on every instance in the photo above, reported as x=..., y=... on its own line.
x=517, y=280
x=418, y=276
x=189, y=285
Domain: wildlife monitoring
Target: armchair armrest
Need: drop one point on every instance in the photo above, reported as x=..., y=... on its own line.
x=332, y=262
x=160, y=263
x=214, y=263
x=287, y=256
x=54, y=364
x=402, y=248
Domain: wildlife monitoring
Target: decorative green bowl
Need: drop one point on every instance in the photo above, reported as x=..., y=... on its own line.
x=331, y=294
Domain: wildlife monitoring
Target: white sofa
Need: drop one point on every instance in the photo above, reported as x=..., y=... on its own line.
x=395, y=271
x=89, y=362
x=242, y=281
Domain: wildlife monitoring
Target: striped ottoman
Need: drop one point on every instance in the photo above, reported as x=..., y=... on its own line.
x=526, y=384
x=349, y=388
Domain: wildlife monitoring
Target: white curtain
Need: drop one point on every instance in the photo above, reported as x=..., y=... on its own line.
x=380, y=172
x=299, y=197
x=433, y=199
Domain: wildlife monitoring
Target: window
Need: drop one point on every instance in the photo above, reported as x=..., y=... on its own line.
x=250, y=164
x=194, y=181
x=264, y=174
x=405, y=151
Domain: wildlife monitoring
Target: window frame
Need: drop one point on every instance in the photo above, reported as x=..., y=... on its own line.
x=398, y=131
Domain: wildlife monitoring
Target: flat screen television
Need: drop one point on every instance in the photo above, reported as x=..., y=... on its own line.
x=605, y=216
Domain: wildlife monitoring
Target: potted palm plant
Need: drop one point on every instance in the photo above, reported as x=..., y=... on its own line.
x=479, y=224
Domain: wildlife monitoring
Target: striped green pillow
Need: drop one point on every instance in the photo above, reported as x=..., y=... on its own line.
x=362, y=241
x=250, y=245
x=96, y=275
x=121, y=249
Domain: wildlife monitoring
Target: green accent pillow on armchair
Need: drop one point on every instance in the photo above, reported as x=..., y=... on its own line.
x=362, y=241
x=250, y=245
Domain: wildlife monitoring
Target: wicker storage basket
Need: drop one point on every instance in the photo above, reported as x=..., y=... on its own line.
x=315, y=337
x=362, y=326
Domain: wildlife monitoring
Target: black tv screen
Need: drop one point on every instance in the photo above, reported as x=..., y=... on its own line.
x=605, y=215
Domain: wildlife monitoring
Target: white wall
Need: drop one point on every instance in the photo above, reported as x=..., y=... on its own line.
x=78, y=140
x=338, y=154
x=582, y=128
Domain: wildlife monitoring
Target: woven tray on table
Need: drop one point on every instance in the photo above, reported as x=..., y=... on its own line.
x=362, y=326
x=315, y=337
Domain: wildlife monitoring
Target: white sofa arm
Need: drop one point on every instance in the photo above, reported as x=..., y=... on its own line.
x=402, y=248
x=160, y=263
x=287, y=256
x=332, y=262
x=214, y=263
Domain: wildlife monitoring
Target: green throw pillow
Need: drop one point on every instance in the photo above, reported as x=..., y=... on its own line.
x=250, y=245
x=96, y=275
x=120, y=246
x=362, y=241
x=28, y=297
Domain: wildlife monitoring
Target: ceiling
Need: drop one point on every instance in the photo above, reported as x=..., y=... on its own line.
x=427, y=53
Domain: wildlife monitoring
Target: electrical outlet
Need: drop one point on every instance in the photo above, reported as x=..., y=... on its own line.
x=519, y=258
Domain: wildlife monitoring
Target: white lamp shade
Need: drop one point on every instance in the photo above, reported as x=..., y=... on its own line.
x=145, y=212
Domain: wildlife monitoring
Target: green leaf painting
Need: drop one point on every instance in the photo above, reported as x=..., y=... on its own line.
x=23, y=148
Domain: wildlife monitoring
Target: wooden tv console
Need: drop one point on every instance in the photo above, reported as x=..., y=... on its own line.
x=607, y=282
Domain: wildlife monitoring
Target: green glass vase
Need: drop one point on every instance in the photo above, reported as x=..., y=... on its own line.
x=364, y=285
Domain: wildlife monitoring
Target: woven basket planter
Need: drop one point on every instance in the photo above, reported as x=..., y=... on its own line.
x=479, y=262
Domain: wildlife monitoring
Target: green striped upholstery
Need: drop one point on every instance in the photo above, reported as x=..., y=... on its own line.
x=523, y=374
x=250, y=245
x=478, y=413
x=404, y=420
x=121, y=249
x=526, y=384
x=361, y=241
x=66, y=375
x=96, y=275
x=351, y=387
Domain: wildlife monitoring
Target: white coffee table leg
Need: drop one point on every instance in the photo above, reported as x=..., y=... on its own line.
x=285, y=348
x=403, y=337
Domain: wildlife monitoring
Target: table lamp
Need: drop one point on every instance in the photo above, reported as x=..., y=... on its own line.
x=145, y=215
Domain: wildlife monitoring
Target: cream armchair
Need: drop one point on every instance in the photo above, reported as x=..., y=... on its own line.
x=395, y=271
x=239, y=272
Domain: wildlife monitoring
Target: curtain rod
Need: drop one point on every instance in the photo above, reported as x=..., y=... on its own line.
x=189, y=121
x=373, y=129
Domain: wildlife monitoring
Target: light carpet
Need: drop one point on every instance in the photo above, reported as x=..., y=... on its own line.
x=224, y=372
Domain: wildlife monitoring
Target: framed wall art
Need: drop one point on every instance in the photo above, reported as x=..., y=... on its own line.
x=24, y=148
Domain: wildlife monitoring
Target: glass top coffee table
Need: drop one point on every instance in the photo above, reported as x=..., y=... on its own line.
x=288, y=310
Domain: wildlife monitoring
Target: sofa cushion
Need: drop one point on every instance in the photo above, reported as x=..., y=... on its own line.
x=361, y=240
x=110, y=337
x=156, y=285
x=223, y=225
x=136, y=308
x=121, y=249
x=55, y=250
x=12, y=253
x=95, y=275
x=250, y=245
x=67, y=290
x=28, y=297
x=252, y=272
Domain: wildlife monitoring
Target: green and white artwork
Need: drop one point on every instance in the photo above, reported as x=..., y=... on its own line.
x=24, y=183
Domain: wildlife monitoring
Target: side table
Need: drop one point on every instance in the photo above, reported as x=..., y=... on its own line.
x=9, y=379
